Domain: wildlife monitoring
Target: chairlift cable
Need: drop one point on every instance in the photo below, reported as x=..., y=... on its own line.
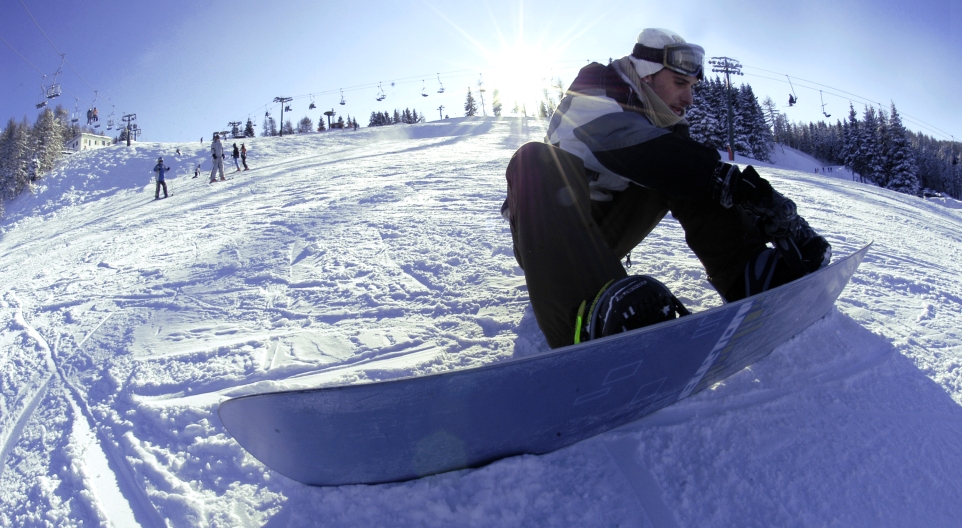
x=54, y=46
x=859, y=98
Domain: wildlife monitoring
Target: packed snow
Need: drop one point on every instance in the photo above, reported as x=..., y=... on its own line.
x=353, y=256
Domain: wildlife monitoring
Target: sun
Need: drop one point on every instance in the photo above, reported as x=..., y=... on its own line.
x=521, y=72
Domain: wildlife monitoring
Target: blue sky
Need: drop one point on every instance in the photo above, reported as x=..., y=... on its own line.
x=188, y=68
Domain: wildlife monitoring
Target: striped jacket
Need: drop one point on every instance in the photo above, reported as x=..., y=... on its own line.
x=600, y=120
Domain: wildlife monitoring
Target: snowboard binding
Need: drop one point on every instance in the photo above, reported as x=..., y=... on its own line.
x=626, y=304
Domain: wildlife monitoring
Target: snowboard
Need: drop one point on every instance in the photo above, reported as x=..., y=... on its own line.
x=407, y=428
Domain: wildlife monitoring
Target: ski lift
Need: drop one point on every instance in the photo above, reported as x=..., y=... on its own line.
x=42, y=102
x=312, y=106
x=823, y=104
x=424, y=92
x=92, y=113
x=53, y=91
x=267, y=114
x=791, y=97
x=441, y=89
x=342, y=97
x=110, y=119
x=287, y=108
x=380, y=93
x=75, y=117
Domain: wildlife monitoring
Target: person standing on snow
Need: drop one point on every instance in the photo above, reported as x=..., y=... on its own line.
x=160, y=169
x=616, y=159
x=243, y=152
x=236, y=155
x=217, y=152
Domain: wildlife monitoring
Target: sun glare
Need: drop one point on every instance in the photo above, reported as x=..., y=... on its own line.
x=521, y=72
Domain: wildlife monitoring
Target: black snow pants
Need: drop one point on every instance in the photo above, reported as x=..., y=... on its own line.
x=570, y=246
x=160, y=183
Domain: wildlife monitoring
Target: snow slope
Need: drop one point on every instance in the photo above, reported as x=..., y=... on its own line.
x=344, y=257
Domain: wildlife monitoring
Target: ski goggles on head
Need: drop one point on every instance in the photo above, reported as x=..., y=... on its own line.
x=686, y=59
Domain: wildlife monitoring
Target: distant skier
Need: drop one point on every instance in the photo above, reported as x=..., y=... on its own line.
x=243, y=152
x=617, y=158
x=178, y=152
x=217, y=152
x=236, y=156
x=160, y=169
x=196, y=171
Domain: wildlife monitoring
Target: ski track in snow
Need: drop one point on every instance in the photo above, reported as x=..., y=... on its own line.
x=348, y=257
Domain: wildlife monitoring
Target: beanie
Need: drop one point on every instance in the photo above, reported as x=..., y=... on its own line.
x=654, y=38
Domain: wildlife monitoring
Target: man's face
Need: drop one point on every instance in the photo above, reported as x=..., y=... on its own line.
x=673, y=88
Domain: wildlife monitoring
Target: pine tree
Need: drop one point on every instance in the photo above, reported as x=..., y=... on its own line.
x=16, y=156
x=340, y=122
x=880, y=162
x=470, y=108
x=771, y=116
x=288, y=127
x=903, y=172
x=249, y=129
x=699, y=114
x=869, y=150
x=305, y=125
x=496, y=103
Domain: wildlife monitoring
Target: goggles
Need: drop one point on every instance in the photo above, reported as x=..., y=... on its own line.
x=686, y=59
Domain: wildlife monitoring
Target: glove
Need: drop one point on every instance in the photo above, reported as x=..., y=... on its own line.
x=775, y=216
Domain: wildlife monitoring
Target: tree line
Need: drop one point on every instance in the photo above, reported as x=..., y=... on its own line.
x=28, y=151
x=878, y=149
x=405, y=116
x=305, y=125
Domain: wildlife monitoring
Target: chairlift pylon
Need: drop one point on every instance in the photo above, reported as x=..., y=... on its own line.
x=440, y=84
x=792, y=99
x=823, y=104
x=342, y=96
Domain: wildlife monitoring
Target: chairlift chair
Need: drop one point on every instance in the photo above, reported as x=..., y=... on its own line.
x=380, y=95
x=792, y=98
x=42, y=102
x=826, y=114
x=441, y=89
x=287, y=108
x=342, y=97
x=424, y=92
x=53, y=91
x=312, y=105
x=75, y=117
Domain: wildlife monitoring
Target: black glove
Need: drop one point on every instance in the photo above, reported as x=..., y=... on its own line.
x=775, y=216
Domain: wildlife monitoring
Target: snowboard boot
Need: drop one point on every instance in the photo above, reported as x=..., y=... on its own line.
x=813, y=250
x=626, y=304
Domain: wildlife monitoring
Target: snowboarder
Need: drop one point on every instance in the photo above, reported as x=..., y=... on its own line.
x=160, y=169
x=243, y=152
x=616, y=159
x=236, y=156
x=178, y=152
x=196, y=171
x=217, y=152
